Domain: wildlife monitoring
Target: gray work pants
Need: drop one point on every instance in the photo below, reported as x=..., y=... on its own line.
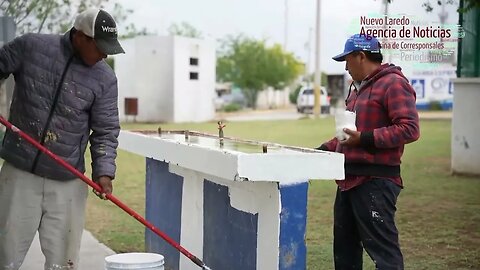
x=30, y=203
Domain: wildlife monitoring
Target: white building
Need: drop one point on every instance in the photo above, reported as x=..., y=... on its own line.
x=433, y=84
x=166, y=79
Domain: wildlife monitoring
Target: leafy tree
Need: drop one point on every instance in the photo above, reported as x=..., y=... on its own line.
x=252, y=66
x=56, y=16
x=243, y=62
x=283, y=68
x=120, y=15
x=184, y=29
x=469, y=4
x=51, y=16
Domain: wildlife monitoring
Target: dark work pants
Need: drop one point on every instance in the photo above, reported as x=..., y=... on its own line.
x=364, y=218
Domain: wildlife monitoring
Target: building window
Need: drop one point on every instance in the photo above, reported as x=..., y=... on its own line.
x=193, y=75
x=193, y=61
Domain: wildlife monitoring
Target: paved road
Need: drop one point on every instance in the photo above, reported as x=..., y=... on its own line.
x=92, y=254
x=261, y=115
x=292, y=114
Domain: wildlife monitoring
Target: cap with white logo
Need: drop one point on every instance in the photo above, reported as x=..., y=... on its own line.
x=100, y=26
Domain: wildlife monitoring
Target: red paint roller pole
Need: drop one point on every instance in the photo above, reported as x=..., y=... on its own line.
x=112, y=198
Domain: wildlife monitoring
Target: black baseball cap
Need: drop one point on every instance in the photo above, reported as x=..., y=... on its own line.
x=99, y=25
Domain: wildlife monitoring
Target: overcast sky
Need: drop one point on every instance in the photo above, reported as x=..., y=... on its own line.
x=266, y=19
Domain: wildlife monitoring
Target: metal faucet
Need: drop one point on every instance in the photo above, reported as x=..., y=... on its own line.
x=220, y=132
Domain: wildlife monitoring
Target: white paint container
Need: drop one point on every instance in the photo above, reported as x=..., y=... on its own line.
x=134, y=261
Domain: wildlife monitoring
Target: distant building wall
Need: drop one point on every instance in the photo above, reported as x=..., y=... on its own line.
x=194, y=80
x=156, y=71
x=272, y=99
x=465, y=127
x=433, y=84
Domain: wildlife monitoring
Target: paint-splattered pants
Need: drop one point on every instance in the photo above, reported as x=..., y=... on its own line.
x=364, y=217
x=56, y=209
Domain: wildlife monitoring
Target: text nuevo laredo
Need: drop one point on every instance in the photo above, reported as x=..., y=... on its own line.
x=364, y=20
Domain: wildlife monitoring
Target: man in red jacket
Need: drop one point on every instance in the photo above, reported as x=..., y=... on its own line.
x=386, y=120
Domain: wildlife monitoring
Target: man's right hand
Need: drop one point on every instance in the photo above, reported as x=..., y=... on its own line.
x=105, y=182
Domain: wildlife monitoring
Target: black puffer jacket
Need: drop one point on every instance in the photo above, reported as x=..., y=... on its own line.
x=58, y=101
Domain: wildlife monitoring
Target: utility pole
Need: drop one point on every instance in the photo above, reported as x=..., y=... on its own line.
x=285, y=37
x=443, y=16
x=317, y=92
x=385, y=12
x=309, y=55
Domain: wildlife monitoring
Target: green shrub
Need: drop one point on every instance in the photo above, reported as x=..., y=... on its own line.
x=293, y=95
x=435, y=105
x=232, y=107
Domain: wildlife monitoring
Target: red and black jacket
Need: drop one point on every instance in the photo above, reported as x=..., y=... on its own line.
x=387, y=119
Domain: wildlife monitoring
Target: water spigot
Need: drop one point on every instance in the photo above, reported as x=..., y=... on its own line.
x=220, y=131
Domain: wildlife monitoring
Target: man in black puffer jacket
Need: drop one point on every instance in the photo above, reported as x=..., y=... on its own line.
x=65, y=95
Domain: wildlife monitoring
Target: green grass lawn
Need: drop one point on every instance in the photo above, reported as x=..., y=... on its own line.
x=438, y=214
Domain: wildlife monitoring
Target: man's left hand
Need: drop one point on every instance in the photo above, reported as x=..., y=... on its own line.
x=105, y=182
x=354, y=139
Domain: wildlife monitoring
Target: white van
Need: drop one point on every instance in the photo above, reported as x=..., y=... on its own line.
x=306, y=99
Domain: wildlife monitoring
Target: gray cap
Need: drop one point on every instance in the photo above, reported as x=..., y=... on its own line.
x=100, y=26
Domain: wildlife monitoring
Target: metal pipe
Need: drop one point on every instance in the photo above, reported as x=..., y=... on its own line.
x=220, y=132
x=317, y=78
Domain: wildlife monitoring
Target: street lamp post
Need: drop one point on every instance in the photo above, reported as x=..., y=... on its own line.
x=285, y=37
x=317, y=92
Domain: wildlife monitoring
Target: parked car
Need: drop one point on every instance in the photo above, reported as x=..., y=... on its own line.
x=306, y=99
x=234, y=98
